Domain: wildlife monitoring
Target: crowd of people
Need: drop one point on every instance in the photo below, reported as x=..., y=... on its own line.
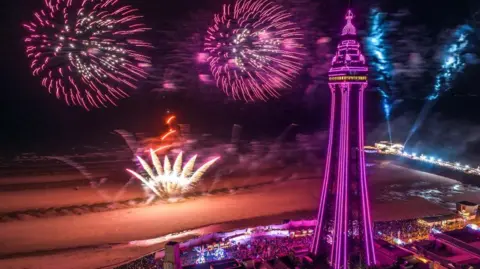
x=260, y=247
x=405, y=230
x=263, y=247
x=269, y=247
x=147, y=262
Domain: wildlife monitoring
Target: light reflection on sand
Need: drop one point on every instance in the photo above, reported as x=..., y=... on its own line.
x=404, y=183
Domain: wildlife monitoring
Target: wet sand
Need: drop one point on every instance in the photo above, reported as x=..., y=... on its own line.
x=266, y=196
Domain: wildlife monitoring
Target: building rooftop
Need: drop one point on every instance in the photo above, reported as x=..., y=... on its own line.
x=467, y=203
x=391, y=250
x=223, y=264
x=465, y=235
x=440, y=218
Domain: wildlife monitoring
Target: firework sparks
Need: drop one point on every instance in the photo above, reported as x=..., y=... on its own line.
x=453, y=63
x=254, y=49
x=379, y=50
x=163, y=138
x=86, y=51
x=169, y=181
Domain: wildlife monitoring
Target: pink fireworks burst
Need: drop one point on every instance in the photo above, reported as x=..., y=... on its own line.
x=87, y=52
x=255, y=49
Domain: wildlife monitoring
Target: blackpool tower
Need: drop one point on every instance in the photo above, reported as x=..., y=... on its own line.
x=343, y=234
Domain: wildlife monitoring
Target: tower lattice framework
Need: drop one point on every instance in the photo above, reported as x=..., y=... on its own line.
x=344, y=228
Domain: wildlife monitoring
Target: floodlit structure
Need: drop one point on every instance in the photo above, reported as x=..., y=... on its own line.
x=441, y=221
x=388, y=148
x=467, y=209
x=344, y=227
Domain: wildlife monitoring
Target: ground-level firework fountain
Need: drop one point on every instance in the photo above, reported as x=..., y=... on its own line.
x=171, y=182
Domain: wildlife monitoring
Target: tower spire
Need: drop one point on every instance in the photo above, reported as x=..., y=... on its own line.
x=349, y=29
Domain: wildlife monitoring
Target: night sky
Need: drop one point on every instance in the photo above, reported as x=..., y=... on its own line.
x=31, y=119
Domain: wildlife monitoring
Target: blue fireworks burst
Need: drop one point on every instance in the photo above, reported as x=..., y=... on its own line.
x=453, y=61
x=379, y=52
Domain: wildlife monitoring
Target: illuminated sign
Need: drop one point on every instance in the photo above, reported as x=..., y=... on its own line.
x=348, y=78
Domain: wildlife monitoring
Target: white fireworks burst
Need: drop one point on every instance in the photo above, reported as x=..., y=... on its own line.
x=169, y=181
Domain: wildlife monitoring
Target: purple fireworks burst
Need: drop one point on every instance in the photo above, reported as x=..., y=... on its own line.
x=254, y=49
x=86, y=51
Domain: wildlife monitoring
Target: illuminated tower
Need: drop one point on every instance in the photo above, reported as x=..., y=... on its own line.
x=344, y=227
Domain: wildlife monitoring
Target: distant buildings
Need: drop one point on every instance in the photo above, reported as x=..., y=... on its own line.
x=456, y=249
x=467, y=209
x=441, y=221
x=388, y=254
